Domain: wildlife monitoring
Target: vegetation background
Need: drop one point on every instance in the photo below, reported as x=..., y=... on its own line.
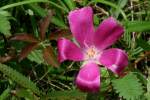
x=29, y=30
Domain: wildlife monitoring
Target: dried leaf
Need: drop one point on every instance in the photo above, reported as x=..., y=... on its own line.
x=11, y=54
x=60, y=33
x=5, y=59
x=25, y=37
x=44, y=25
x=25, y=51
x=50, y=57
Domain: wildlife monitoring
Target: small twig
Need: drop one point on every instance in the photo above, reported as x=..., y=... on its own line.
x=68, y=68
x=103, y=12
x=49, y=82
x=5, y=59
x=62, y=84
x=141, y=58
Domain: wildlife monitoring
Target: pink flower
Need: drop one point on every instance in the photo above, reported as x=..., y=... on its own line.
x=92, y=48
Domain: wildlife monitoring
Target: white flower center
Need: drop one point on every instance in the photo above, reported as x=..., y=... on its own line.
x=91, y=53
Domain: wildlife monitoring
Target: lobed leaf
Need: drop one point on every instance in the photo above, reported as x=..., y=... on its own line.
x=60, y=33
x=25, y=51
x=23, y=93
x=49, y=56
x=19, y=78
x=24, y=37
x=44, y=25
x=128, y=87
x=36, y=56
x=4, y=25
x=5, y=94
x=148, y=89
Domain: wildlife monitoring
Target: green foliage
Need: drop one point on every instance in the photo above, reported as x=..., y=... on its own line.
x=148, y=84
x=121, y=4
x=4, y=25
x=5, y=94
x=2, y=44
x=66, y=94
x=137, y=26
x=58, y=22
x=111, y=4
x=136, y=51
x=42, y=12
x=128, y=87
x=29, y=17
x=19, y=78
x=93, y=96
x=37, y=10
x=148, y=89
x=143, y=44
x=36, y=56
x=22, y=93
x=70, y=4
x=127, y=38
x=5, y=13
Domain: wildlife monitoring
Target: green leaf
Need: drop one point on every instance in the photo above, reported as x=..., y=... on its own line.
x=37, y=10
x=136, y=51
x=32, y=1
x=128, y=87
x=70, y=4
x=36, y=56
x=147, y=95
x=143, y=44
x=93, y=96
x=25, y=94
x=19, y=78
x=148, y=84
x=2, y=44
x=58, y=22
x=5, y=94
x=4, y=25
x=66, y=94
x=111, y=4
x=104, y=72
x=127, y=38
x=63, y=5
x=4, y=13
x=42, y=12
x=121, y=4
x=137, y=26
x=96, y=20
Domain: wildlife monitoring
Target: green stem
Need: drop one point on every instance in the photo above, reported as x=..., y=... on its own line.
x=31, y=1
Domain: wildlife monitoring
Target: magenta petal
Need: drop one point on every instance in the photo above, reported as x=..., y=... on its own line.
x=88, y=78
x=68, y=51
x=114, y=59
x=81, y=25
x=107, y=33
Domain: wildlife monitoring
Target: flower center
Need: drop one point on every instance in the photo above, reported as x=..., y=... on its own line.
x=91, y=53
